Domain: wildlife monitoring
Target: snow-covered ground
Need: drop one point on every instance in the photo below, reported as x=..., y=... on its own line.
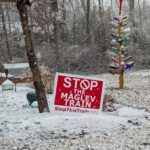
x=128, y=127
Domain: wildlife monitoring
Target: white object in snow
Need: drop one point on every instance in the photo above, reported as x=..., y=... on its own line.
x=35, y=104
x=7, y=85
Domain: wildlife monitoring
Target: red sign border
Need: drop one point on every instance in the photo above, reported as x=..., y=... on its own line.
x=52, y=104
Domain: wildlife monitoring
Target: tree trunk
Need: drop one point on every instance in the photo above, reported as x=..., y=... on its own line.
x=38, y=84
x=64, y=10
x=103, y=31
x=7, y=52
x=9, y=23
x=131, y=19
x=74, y=22
x=83, y=5
x=131, y=11
x=57, y=34
x=88, y=21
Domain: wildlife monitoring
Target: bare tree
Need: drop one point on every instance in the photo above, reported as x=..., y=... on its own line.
x=7, y=50
x=83, y=5
x=57, y=34
x=9, y=21
x=88, y=21
x=131, y=19
x=38, y=84
x=74, y=22
x=131, y=11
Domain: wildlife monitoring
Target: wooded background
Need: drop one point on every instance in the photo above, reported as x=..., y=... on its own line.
x=73, y=36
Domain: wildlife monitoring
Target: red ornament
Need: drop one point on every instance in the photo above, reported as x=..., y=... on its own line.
x=121, y=1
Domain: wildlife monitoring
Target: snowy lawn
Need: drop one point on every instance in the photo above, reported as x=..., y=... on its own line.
x=126, y=128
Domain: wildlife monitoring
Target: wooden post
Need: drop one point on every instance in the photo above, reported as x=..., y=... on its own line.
x=120, y=45
x=119, y=52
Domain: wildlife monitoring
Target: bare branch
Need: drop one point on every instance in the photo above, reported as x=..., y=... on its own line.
x=7, y=0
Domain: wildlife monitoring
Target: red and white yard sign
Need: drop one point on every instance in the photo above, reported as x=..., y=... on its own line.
x=78, y=94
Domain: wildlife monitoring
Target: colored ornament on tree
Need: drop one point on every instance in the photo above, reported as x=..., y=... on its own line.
x=114, y=36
